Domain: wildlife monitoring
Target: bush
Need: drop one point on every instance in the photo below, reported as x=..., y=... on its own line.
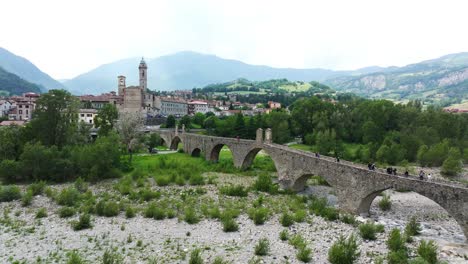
x=84, y=222
x=220, y=260
x=81, y=185
x=154, y=211
x=428, y=251
x=297, y=241
x=41, y=213
x=190, y=216
x=112, y=257
x=148, y=195
x=196, y=179
x=9, y=193
x=229, y=224
x=37, y=187
x=331, y=214
x=130, y=212
x=10, y=170
x=265, y=184
x=258, y=215
x=397, y=257
x=385, y=204
x=344, y=251
x=163, y=180
x=74, y=258
x=27, y=198
x=263, y=247
x=368, y=231
x=195, y=257
x=107, y=208
x=286, y=219
x=412, y=228
x=65, y=212
x=395, y=241
x=284, y=235
x=300, y=216
x=234, y=190
x=304, y=254
x=348, y=219
x=69, y=197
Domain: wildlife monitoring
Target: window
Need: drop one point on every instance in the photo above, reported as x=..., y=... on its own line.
x=21, y=106
x=20, y=112
x=82, y=115
x=27, y=106
x=90, y=121
x=89, y=115
x=27, y=112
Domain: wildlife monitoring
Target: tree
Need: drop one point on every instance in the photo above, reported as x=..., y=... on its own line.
x=11, y=143
x=171, y=121
x=239, y=126
x=152, y=140
x=198, y=119
x=55, y=118
x=185, y=120
x=129, y=126
x=105, y=119
x=453, y=164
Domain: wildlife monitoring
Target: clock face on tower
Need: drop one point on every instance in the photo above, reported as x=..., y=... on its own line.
x=121, y=81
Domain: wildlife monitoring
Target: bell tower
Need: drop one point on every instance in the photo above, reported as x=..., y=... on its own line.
x=143, y=75
x=121, y=82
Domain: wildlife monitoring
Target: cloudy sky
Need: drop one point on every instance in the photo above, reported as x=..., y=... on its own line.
x=67, y=38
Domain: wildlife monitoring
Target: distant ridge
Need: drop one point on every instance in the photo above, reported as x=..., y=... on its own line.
x=11, y=84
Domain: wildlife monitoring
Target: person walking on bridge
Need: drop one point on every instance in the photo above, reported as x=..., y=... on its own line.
x=421, y=175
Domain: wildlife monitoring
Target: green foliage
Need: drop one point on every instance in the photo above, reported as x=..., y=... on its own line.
x=65, y=212
x=434, y=155
x=396, y=241
x=130, y=212
x=195, y=257
x=154, y=211
x=84, y=222
x=27, y=197
x=9, y=193
x=412, y=228
x=220, y=260
x=37, y=187
x=428, y=251
x=348, y=219
x=453, y=164
x=304, y=254
x=15, y=85
x=385, y=204
x=81, y=185
x=191, y=216
x=264, y=183
x=318, y=206
x=105, y=119
x=229, y=223
x=262, y=248
x=234, y=190
x=297, y=241
x=112, y=257
x=69, y=197
x=286, y=219
x=171, y=121
x=397, y=257
x=74, y=258
x=284, y=235
x=368, y=230
x=344, y=251
x=41, y=213
x=107, y=208
x=258, y=215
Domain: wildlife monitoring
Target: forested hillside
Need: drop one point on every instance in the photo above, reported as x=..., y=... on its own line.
x=10, y=84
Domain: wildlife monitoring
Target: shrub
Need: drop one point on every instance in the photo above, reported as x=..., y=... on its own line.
x=130, y=212
x=69, y=197
x=41, y=213
x=300, y=216
x=395, y=241
x=344, y=251
x=148, y=195
x=412, y=228
x=27, y=198
x=284, y=235
x=9, y=193
x=154, y=211
x=331, y=214
x=163, y=180
x=286, y=219
x=195, y=257
x=265, y=184
x=234, y=190
x=348, y=219
x=385, y=204
x=368, y=230
x=428, y=251
x=10, y=170
x=397, y=257
x=112, y=257
x=83, y=222
x=65, y=212
x=196, y=179
x=258, y=215
x=107, y=208
x=297, y=241
x=229, y=224
x=81, y=185
x=37, y=187
x=318, y=205
x=263, y=247
x=304, y=254
x=418, y=260
x=74, y=258
x=220, y=260
x=190, y=216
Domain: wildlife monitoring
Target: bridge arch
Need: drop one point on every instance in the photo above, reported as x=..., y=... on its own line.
x=216, y=150
x=175, y=142
x=195, y=152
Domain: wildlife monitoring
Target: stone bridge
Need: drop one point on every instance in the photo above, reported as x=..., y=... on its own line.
x=356, y=187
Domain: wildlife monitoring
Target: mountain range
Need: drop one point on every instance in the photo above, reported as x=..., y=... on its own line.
x=27, y=71
x=11, y=84
x=444, y=78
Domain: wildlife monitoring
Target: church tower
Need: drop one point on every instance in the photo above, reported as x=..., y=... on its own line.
x=121, y=81
x=143, y=75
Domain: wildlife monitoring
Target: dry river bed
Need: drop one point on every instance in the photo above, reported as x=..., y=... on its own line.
x=171, y=240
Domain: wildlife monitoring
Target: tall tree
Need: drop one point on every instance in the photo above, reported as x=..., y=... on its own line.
x=55, y=118
x=171, y=121
x=129, y=126
x=105, y=119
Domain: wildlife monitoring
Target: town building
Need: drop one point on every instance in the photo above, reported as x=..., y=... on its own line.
x=5, y=106
x=197, y=107
x=22, y=107
x=274, y=105
x=87, y=116
x=171, y=106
